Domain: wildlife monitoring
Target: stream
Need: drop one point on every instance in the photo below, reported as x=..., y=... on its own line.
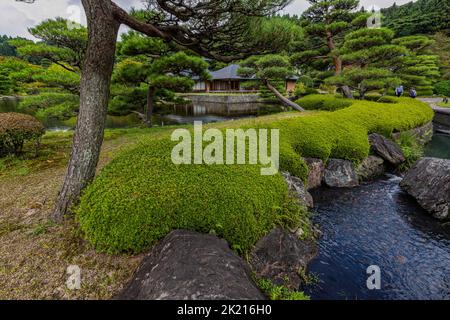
x=378, y=224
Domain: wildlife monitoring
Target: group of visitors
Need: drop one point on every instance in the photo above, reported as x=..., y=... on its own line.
x=400, y=90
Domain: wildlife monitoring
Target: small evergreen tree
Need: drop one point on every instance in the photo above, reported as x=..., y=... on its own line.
x=369, y=58
x=270, y=70
x=420, y=68
x=6, y=84
x=150, y=63
x=326, y=22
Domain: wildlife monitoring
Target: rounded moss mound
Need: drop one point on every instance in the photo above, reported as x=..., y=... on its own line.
x=323, y=102
x=142, y=196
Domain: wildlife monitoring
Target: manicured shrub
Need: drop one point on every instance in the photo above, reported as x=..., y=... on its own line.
x=412, y=150
x=442, y=88
x=141, y=195
x=323, y=102
x=15, y=129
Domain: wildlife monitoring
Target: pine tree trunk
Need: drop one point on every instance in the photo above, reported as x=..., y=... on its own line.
x=150, y=106
x=337, y=62
x=282, y=98
x=94, y=97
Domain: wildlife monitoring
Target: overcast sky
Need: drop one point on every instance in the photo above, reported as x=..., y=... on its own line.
x=16, y=17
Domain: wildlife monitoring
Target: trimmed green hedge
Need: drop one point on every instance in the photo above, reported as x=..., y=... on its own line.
x=344, y=134
x=323, y=102
x=141, y=196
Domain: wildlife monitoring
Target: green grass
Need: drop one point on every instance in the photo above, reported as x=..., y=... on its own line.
x=444, y=105
x=275, y=292
x=141, y=195
x=412, y=150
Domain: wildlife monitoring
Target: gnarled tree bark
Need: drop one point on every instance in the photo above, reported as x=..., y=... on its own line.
x=337, y=62
x=94, y=97
x=282, y=98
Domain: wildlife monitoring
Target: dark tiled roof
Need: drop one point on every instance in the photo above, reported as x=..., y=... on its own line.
x=231, y=73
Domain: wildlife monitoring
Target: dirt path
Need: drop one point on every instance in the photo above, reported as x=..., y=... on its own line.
x=433, y=102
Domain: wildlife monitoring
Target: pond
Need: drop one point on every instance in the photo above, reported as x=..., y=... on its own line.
x=378, y=224
x=205, y=112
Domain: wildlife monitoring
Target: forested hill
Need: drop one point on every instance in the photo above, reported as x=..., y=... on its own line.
x=420, y=17
x=5, y=48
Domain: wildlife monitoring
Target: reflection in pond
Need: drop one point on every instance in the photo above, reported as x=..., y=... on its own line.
x=377, y=224
x=174, y=115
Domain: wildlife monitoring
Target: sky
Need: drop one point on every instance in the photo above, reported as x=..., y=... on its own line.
x=17, y=17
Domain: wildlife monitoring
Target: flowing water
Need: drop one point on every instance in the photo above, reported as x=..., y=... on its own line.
x=377, y=224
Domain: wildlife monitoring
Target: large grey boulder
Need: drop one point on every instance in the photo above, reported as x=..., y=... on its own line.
x=387, y=149
x=298, y=188
x=191, y=266
x=340, y=174
x=371, y=168
x=429, y=182
x=316, y=172
x=281, y=256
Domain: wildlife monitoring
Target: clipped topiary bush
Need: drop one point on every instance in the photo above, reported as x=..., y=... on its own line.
x=442, y=88
x=141, y=195
x=15, y=129
x=323, y=102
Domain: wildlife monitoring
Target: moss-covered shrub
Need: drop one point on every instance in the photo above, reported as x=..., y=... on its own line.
x=15, y=129
x=141, y=196
x=323, y=102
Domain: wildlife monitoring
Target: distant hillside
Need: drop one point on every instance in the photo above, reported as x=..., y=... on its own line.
x=5, y=48
x=420, y=17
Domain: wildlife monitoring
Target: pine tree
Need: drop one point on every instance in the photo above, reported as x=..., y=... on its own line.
x=271, y=71
x=6, y=84
x=153, y=64
x=326, y=22
x=420, y=68
x=369, y=59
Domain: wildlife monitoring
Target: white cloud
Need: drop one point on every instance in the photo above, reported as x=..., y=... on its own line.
x=17, y=17
x=298, y=6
